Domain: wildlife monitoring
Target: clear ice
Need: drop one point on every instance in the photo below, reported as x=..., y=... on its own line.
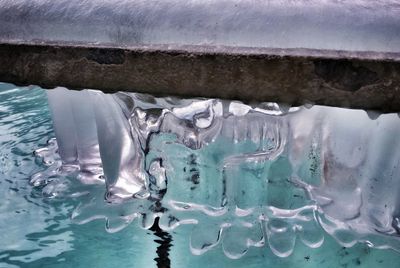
x=245, y=175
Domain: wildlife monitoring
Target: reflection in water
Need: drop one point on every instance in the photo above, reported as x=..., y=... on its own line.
x=164, y=240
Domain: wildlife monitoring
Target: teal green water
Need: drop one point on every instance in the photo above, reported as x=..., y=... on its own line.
x=37, y=232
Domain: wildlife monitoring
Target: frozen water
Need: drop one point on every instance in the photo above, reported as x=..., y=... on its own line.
x=36, y=230
x=244, y=175
x=359, y=25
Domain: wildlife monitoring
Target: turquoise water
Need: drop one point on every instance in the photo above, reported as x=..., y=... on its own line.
x=36, y=231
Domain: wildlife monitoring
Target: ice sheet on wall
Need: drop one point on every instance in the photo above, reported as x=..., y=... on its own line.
x=243, y=174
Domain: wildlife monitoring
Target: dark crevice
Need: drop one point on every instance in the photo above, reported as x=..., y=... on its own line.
x=165, y=242
x=102, y=56
x=344, y=74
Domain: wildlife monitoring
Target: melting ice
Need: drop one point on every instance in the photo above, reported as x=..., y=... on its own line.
x=244, y=175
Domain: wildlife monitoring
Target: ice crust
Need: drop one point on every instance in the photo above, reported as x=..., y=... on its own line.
x=243, y=175
x=359, y=25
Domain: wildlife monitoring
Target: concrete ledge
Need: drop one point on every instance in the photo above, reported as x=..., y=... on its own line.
x=364, y=80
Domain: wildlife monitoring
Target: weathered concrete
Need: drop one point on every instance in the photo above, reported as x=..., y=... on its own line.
x=336, y=78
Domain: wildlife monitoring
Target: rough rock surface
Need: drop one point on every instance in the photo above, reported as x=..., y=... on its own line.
x=364, y=80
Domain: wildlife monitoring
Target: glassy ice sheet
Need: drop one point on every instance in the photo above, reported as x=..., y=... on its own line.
x=259, y=185
x=357, y=25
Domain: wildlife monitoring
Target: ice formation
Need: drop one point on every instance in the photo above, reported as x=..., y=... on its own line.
x=243, y=175
x=357, y=25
